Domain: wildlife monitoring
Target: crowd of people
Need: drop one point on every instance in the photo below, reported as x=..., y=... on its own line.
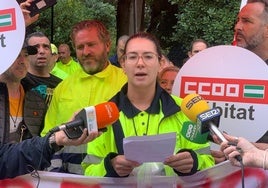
x=19, y=154
x=140, y=80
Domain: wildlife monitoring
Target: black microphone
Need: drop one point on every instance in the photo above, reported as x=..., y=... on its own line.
x=93, y=118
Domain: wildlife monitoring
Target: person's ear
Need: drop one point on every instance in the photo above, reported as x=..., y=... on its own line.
x=189, y=54
x=266, y=31
x=108, y=46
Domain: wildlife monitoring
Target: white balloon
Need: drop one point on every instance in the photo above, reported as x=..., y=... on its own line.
x=12, y=32
x=233, y=79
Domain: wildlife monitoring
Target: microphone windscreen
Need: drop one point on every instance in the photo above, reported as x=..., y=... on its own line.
x=192, y=105
x=107, y=113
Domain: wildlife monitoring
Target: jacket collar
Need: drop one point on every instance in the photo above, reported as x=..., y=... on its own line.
x=161, y=100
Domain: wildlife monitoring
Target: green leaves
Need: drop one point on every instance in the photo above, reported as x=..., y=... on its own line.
x=212, y=20
x=69, y=12
x=207, y=19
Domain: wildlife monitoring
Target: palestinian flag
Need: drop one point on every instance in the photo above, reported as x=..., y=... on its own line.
x=7, y=20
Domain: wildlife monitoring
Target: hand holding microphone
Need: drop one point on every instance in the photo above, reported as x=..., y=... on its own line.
x=252, y=156
x=94, y=118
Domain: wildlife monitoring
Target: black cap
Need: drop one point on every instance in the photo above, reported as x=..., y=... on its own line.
x=32, y=50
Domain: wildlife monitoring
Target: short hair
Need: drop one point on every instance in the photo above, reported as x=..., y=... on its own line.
x=196, y=41
x=265, y=12
x=260, y=1
x=167, y=69
x=35, y=34
x=123, y=38
x=65, y=46
x=148, y=36
x=103, y=33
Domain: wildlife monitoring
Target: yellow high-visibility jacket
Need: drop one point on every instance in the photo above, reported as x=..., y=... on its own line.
x=163, y=116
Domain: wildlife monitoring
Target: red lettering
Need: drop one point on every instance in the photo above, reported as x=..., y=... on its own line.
x=223, y=89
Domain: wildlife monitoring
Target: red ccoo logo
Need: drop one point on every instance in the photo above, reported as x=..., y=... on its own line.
x=226, y=89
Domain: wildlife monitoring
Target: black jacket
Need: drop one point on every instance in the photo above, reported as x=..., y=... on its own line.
x=15, y=158
x=4, y=114
x=34, y=108
x=22, y=158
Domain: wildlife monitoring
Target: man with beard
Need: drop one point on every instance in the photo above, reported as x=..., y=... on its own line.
x=251, y=32
x=96, y=82
x=251, y=29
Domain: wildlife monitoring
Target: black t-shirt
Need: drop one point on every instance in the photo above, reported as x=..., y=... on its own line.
x=38, y=95
x=42, y=85
x=31, y=81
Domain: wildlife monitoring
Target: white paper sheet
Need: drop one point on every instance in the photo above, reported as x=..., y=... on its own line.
x=154, y=148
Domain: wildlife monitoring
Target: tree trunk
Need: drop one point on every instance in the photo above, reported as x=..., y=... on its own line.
x=130, y=16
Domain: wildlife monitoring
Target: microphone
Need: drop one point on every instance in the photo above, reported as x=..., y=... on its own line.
x=207, y=120
x=198, y=111
x=94, y=118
